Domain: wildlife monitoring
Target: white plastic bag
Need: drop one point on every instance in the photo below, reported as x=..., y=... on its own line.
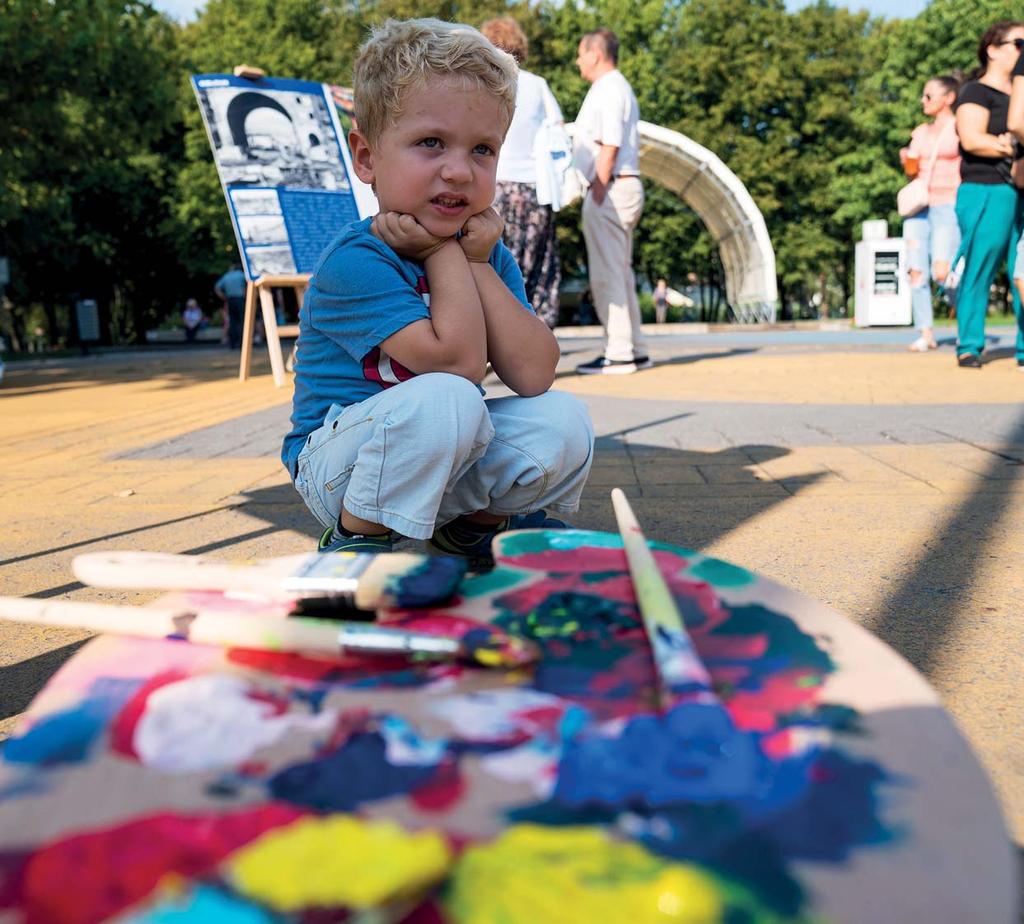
x=552, y=153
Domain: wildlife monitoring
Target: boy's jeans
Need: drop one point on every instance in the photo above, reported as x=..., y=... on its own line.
x=429, y=449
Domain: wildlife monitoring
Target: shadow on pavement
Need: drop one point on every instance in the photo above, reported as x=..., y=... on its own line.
x=923, y=610
x=21, y=681
x=95, y=539
x=683, y=360
x=175, y=367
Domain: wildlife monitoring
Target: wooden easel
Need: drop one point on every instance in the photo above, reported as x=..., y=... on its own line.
x=261, y=287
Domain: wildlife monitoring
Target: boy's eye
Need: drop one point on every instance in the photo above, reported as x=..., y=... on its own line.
x=483, y=149
x=430, y=142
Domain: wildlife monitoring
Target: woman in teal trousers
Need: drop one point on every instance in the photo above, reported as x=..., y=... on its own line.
x=1015, y=122
x=987, y=204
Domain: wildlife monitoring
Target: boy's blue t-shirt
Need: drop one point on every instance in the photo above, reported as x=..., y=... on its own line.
x=361, y=293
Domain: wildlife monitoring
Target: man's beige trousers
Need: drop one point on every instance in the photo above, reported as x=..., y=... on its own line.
x=608, y=232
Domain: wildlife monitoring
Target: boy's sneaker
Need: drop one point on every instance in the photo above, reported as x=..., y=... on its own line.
x=473, y=541
x=332, y=541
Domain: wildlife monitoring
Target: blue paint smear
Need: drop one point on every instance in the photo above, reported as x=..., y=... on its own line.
x=202, y=903
x=68, y=736
x=341, y=781
x=693, y=753
x=62, y=738
x=432, y=582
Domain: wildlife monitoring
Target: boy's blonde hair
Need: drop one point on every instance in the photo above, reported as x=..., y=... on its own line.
x=403, y=54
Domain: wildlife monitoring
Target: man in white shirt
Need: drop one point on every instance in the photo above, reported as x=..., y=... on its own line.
x=608, y=152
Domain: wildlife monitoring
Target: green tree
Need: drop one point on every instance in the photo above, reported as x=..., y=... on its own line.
x=90, y=111
x=900, y=58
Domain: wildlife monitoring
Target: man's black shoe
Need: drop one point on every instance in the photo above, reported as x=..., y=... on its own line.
x=601, y=365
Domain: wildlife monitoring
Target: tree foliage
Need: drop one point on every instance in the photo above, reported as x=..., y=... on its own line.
x=109, y=189
x=87, y=89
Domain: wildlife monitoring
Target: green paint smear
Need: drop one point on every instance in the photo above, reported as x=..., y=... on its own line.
x=567, y=540
x=497, y=580
x=720, y=573
x=556, y=540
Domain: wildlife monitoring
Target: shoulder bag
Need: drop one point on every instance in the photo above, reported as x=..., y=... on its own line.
x=913, y=197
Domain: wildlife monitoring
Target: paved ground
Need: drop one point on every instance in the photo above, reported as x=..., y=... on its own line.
x=888, y=484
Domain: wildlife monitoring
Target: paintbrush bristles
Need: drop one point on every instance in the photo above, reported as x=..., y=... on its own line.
x=401, y=579
x=368, y=581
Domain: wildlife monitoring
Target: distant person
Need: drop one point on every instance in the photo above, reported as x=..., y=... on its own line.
x=529, y=222
x=608, y=153
x=1015, y=122
x=660, y=298
x=192, y=318
x=987, y=204
x=391, y=435
x=230, y=288
x=932, y=235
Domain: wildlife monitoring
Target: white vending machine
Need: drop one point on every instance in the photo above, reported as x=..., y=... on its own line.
x=882, y=294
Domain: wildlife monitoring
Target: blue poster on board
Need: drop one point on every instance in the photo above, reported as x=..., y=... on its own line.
x=285, y=167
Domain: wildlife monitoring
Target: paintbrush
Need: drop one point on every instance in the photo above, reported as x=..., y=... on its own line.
x=358, y=579
x=680, y=670
x=484, y=646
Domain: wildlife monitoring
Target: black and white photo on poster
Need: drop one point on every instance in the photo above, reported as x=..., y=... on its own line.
x=284, y=165
x=272, y=132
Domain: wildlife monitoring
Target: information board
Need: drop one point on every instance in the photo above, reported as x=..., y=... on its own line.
x=284, y=163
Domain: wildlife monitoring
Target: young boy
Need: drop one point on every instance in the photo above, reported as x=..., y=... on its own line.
x=390, y=433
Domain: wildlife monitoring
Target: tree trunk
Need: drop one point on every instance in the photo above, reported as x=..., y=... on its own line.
x=52, y=333
x=784, y=312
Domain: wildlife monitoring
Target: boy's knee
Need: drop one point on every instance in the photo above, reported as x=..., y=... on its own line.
x=569, y=421
x=450, y=407
x=442, y=389
x=916, y=279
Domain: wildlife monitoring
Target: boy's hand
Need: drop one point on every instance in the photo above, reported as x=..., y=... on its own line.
x=480, y=234
x=406, y=236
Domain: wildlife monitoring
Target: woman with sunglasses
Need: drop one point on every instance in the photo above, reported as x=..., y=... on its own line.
x=987, y=203
x=932, y=235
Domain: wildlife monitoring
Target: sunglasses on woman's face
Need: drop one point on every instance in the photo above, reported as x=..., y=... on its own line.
x=1017, y=42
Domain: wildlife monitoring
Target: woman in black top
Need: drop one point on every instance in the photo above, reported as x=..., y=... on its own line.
x=987, y=204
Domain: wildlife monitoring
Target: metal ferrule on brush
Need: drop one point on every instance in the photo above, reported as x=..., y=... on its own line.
x=374, y=639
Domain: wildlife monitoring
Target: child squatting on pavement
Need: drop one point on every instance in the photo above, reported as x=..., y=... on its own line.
x=391, y=435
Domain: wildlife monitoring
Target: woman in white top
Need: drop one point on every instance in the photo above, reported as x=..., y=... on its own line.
x=529, y=224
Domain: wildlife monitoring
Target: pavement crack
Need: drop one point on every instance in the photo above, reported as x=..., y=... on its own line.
x=821, y=430
x=1015, y=460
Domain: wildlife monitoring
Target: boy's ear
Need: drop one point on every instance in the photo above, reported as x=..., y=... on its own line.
x=362, y=156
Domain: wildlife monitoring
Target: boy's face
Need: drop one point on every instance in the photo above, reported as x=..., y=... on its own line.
x=437, y=162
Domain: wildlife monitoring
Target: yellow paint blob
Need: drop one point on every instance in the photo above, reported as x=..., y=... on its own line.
x=577, y=875
x=338, y=860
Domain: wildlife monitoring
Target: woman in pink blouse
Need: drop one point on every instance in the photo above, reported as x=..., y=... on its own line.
x=932, y=235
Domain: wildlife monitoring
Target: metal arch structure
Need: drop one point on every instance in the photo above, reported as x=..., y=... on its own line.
x=716, y=194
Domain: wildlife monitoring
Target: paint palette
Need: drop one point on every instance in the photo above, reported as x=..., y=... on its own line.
x=155, y=780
